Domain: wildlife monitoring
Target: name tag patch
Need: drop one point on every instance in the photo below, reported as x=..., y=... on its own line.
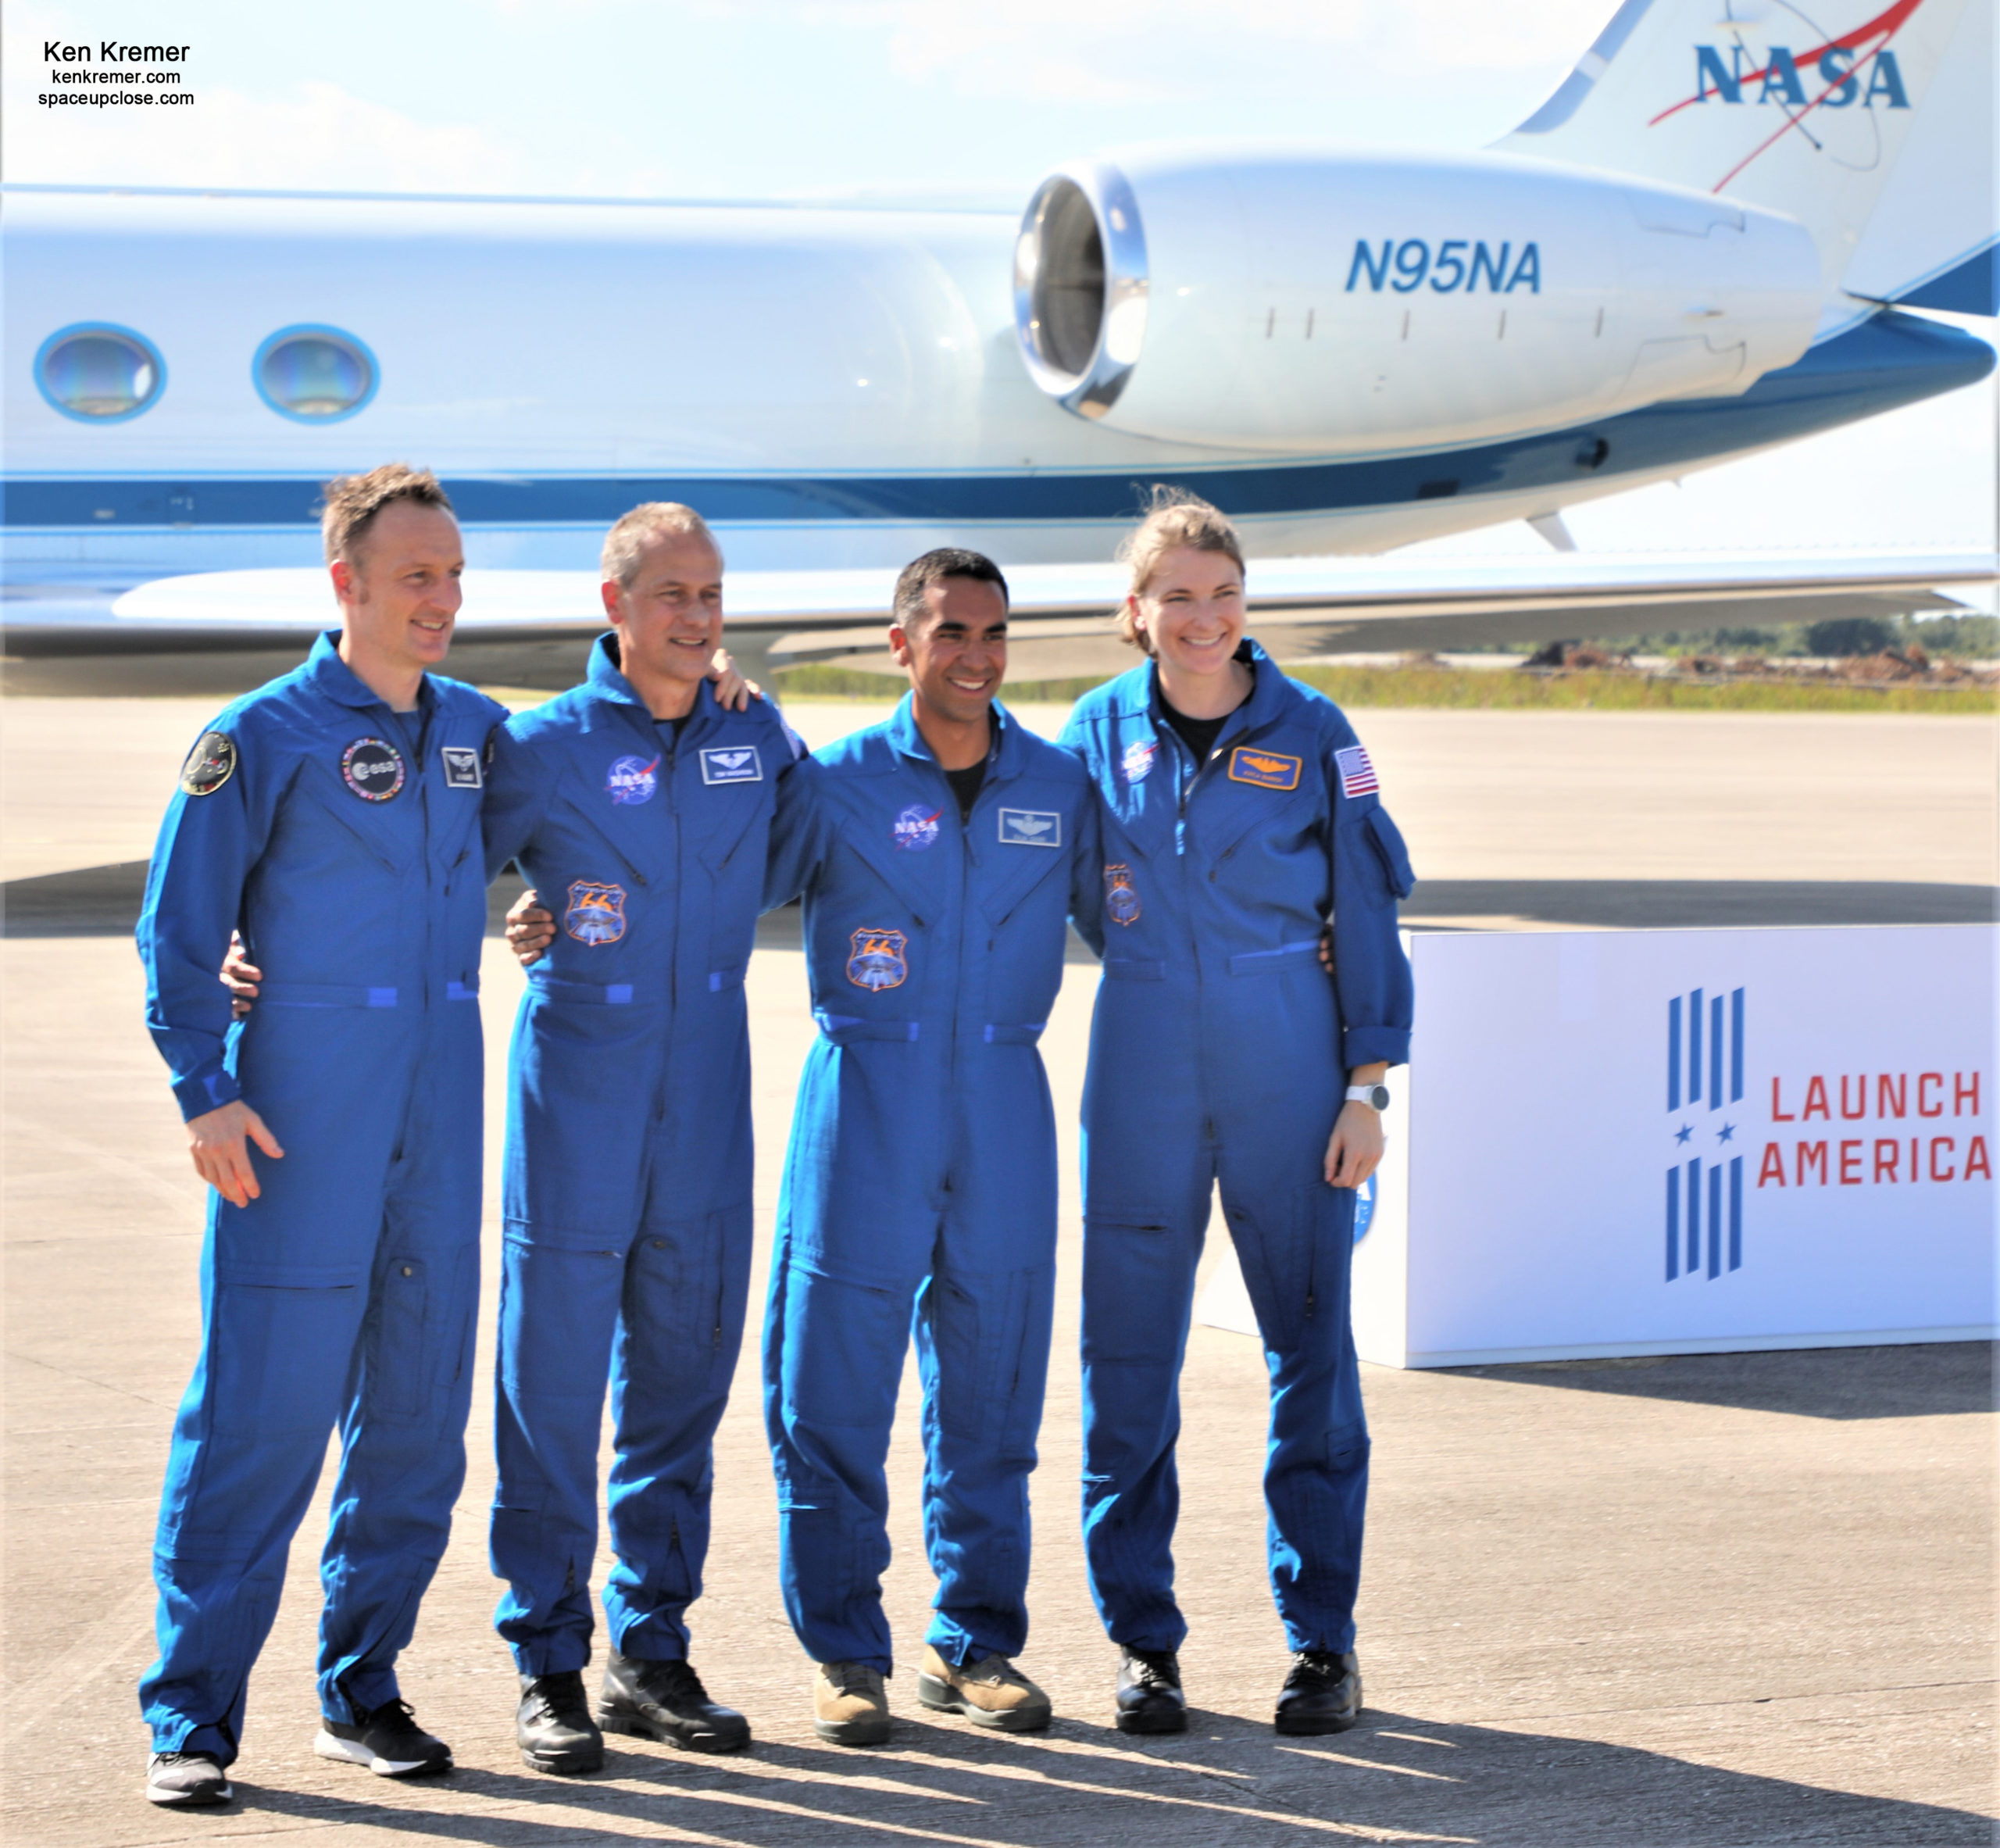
x=732, y=764
x=1031, y=828
x=1263, y=769
x=462, y=769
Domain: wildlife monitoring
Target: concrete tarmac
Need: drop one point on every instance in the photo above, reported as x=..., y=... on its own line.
x=1680, y=1604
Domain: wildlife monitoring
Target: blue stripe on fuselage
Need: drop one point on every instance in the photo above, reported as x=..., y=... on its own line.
x=1889, y=360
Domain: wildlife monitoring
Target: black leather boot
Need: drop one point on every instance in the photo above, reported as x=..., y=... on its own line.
x=1149, y=1696
x=554, y=1727
x=666, y=1700
x=1322, y=1693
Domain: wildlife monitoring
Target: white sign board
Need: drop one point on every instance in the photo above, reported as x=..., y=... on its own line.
x=1684, y=1141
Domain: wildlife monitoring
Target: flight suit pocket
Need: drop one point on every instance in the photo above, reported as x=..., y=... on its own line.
x=279, y=1356
x=685, y=1286
x=1136, y=1283
x=1387, y=839
x=399, y=1349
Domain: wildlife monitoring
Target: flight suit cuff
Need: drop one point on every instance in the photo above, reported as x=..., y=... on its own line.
x=208, y=1089
x=1367, y=1045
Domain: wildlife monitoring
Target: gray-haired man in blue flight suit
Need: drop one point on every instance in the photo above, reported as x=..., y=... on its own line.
x=640, y=808
x=332, y=818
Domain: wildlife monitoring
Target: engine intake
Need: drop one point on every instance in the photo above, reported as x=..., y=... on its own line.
x=1333, y=302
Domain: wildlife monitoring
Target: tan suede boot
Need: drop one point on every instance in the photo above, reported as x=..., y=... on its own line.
x=991, y=1691
x=850, y=1705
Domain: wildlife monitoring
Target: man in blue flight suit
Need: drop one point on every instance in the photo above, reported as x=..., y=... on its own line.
x=940, y=855
x=332, y=818
x=641, y=809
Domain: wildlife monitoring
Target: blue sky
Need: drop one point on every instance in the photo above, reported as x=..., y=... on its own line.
x=973, y=99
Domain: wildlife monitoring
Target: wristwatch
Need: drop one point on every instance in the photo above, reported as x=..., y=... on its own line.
x=1375, y=1097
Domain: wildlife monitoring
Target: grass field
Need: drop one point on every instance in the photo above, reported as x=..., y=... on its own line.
x=1502, y=689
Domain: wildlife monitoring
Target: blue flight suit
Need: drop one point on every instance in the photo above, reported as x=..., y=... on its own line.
x=342, y=840
x=627, y=1178
x=921, y=1173
x=1219, y=1051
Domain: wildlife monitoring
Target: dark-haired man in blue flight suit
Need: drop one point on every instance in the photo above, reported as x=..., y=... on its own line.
x=940, y=855
x=333, y=818
x=639, y=808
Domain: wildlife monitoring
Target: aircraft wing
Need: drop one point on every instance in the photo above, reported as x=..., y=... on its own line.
x=521, y=627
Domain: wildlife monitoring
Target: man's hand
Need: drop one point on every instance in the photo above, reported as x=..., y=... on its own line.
x=530, y=930
x=239, y=976
x=216, y=1140
x=1326, y=948
x=732, y=690
x=1354, y=1151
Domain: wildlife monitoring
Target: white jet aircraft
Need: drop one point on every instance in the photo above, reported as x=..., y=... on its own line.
x=1705, y=243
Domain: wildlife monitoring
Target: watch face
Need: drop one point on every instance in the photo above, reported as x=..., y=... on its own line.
x=1379, y=1097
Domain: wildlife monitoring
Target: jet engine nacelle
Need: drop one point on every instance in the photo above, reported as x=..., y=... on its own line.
x=1336, y=302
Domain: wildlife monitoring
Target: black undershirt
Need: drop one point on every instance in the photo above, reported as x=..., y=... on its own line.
x=1198, y=734
x=966, y=786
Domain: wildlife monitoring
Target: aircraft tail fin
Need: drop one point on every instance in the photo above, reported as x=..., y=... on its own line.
x=1872, y=127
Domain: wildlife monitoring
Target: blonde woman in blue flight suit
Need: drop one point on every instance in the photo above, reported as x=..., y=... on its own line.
x=1240, y=816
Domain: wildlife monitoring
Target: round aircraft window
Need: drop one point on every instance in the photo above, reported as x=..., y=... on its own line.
x=314, y=374
x=98, y=374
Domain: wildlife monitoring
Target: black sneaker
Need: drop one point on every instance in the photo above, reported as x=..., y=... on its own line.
x=192, y=1779
x=554, y=1726
x=666, y=1700
x=1149, y=1696
x=1322, y=1693
x=386, y=1739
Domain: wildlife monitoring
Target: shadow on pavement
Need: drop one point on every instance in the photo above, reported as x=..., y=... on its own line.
x=1918, y=1380
x=1228, y=1782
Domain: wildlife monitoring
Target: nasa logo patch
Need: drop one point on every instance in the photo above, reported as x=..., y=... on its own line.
x=1031, y=828
x=1138, y=760
x=596, y=913
x=916, y=828
x=877, y=960
x=210, y=765
x=632, y=780
x=462, y=767
x=1121, y=897
x=372, y=769
x=732, y=764
x=1263, y=769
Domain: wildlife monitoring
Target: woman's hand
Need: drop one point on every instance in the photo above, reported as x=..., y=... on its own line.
x=733, y=692
x=1354, y=1151
x=530, y=930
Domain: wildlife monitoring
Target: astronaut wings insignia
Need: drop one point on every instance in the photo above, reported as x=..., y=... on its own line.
x=1031, y=828
x=731, y=763
x=596, y=914
x=877, y=960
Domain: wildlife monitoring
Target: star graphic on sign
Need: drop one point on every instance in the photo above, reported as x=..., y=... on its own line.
x=1723, y=1133
x=1686, y=1130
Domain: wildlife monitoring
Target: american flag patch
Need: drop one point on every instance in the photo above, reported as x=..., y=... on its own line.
x=1357, y=774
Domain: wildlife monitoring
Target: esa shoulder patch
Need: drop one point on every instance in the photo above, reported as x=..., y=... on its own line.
x=210, y=764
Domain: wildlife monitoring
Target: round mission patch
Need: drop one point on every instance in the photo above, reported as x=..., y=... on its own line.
x=210, y=765
x=372, y=769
